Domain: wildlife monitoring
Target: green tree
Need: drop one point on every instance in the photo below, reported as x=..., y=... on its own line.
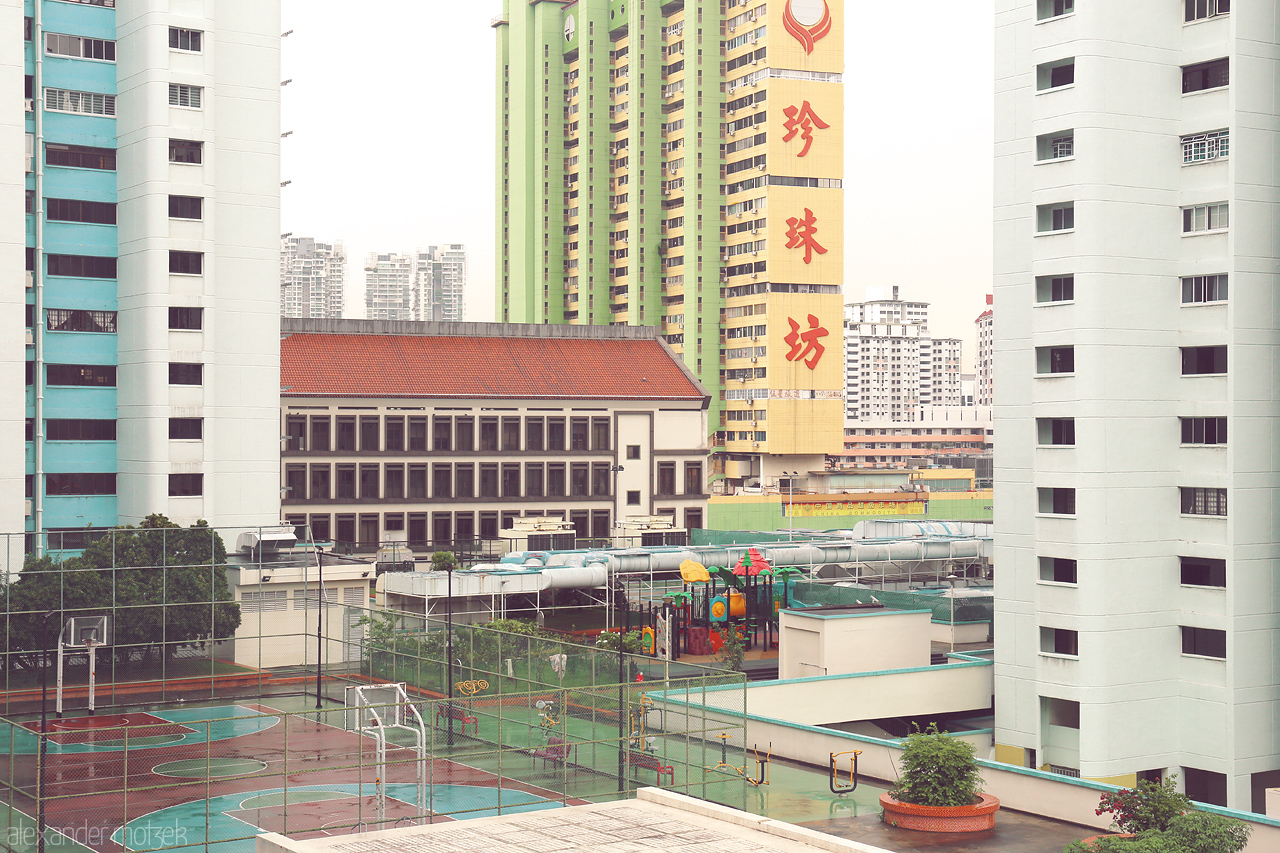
x=163, y=584
x=733, y=651
x=937, y=770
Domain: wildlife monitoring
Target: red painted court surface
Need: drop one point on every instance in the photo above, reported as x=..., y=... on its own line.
x=215, y=777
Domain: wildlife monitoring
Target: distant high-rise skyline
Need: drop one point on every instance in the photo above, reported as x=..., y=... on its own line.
x=439, y=281
x=388, y=286
x=313, y=277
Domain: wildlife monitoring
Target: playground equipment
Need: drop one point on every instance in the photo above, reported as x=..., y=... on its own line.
x=375, y=709
x=834, y=781
x=761, y=776
x=88, y=633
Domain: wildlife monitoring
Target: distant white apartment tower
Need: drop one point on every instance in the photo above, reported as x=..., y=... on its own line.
x=313, y=277
x=388, y=287
x=892, y=365
x=1135, y=542
x=139, y=328
x=986, y=354
x=439, y=282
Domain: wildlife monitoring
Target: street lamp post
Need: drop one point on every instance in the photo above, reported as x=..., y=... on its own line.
x=319, y=621
x=951, y=579
x=448, y=640
x=44, y=725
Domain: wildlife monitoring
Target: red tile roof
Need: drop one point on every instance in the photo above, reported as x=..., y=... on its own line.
x=336, y=365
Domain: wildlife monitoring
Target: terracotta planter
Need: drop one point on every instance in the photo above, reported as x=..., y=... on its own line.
x=975, y=818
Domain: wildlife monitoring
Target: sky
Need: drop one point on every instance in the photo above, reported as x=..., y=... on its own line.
x=392, y=114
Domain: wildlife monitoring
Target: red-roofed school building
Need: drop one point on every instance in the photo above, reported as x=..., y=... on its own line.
x=439, y=435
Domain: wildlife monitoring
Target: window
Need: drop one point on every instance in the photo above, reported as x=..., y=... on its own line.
x=417, y=434
x=185, y=373
x=1204, y=430
x=555, y=434
x=600, y=479
x=1202, y=571
x=1198, y=501
x=579, y=479
x=182, y=95
x=1199, y=361
x=346, y=433
x=693, y=519
x=186, y=151
x=320, y=433
x=1050, y=360
x=79, y=430
x=488, y=434
x=1059, y=641
x=510, y=433
x=186, y=319
x=186, y=263
x=370, y=434
x=346, y=482
x=320, y=482
x=66, y=320
x=1205, y=217
x=511, y=480
x=633, y=451
x=1056, y=431
x=1204, y=288
x=533, y=480
x=442, y=434
x=556, y=481
x=186, y=207
x=1058, y=288
x=80, y=484
x=81, y=266
x=1205, y=75
x=1057, y=570
x=600, y=438
x=80, y=48
x=578, y=434
x=186, y=485
x=93, y=375
x=693, y=478
x=633, y=498
x=1057, y=501
x=77, y=210
x=533, y=434
x=1055, y=146
x=1203, y=147
x=393, y=429
x=369, y=485
x=393, y=482
x=80, y=156
x=1055, y=217
x=464, y=434
x=1054, y=75
x=488, y=480
x=1198, y=10
x=465, y=481
x=1047, y=9
x=666, y=478
x=180, y=39
x=186, y=428
x=488, y=525
x=84, y=103
x=417, y=483
x=442, y=481
x=1204, y=642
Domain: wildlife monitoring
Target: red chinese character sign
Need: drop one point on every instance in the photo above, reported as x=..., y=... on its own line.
x=807, y=20
x=800, y=231
x=806, y=343
x=802, y=120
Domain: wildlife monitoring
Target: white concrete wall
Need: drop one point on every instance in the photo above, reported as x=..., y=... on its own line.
x=13, y=240
x=238, y=70
x=815, y=644
x=1127, y=253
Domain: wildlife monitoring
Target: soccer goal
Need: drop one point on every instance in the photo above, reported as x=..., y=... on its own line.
x=376, y=711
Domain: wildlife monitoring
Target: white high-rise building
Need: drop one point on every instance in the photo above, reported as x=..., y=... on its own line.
x=388, y=286
x=985, y=324
x=1136, y=551
x=439, y=282
x=150, y=345
x=313, y=277
x=892, y=365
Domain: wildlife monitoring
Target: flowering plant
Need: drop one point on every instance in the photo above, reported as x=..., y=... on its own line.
x=1151, y=805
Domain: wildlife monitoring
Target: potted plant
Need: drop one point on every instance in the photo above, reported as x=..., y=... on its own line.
x=939, y=787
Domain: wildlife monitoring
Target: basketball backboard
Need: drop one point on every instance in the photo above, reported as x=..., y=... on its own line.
x=82, y=630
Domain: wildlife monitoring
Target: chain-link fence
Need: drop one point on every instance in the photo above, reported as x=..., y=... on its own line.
x=206, y=732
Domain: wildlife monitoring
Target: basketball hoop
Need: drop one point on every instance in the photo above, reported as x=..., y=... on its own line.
x=88, y=633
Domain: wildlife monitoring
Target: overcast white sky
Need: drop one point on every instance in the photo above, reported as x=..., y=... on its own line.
x=392, y=112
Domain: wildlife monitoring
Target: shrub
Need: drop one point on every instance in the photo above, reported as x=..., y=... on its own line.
x=1192, y=832
x=937, y=770
x=1151, y=805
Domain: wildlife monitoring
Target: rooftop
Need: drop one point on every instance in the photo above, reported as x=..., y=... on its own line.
x=479, y=360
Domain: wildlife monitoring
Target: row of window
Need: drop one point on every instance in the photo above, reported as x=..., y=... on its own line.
x=101, y=429
x=1199, y=77
x=1061, y=216
x=104, y=375
x=58, y=44
x=1193, y=500
x=81, y=320
x=89, y=157
x=94, y=266
x=1196, y=289
x=1061, y=432
x=1201, y=642
x=397, y=481
x=180, y=485
x=1194, y=571
x=417, y=433
x=1196, y=361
